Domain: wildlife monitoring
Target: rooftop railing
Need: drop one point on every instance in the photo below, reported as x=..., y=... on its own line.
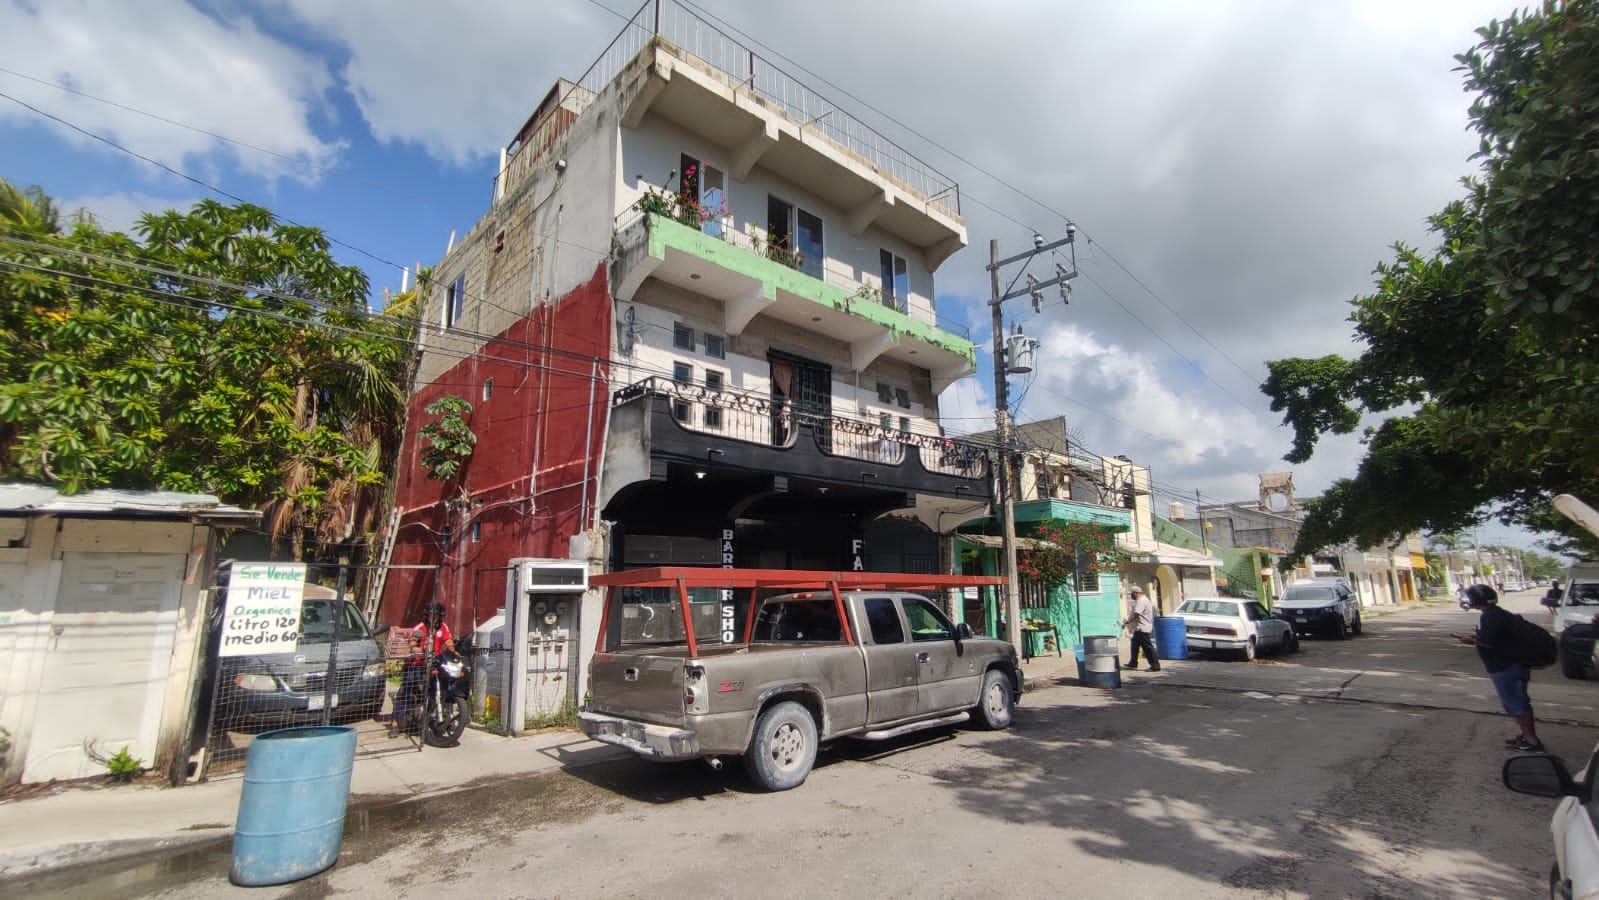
x=738, y=66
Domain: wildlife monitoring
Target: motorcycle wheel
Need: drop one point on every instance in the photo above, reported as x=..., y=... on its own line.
x=445, y=728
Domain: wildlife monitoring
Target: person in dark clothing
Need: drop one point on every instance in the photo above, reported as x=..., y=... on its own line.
x=1510, y=678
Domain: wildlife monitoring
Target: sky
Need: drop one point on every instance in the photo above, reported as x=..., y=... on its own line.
x=1235, y=170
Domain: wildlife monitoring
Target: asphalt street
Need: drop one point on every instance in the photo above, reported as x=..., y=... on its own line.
x=1362, y=768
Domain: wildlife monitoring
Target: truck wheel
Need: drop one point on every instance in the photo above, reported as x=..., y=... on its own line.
x=784, y=747
x=995, y=705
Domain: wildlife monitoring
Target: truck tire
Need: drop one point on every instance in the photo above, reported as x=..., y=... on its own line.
x=995, y=705
x=783, y=749
x=1572, y=667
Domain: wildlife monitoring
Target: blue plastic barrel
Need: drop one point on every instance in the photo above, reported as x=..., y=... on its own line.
x=1100, y=665
x=291, y=811
x=1171, y=637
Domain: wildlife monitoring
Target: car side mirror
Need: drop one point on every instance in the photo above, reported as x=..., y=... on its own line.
x=963, y=632
x=380, y=629
x=1540, y=776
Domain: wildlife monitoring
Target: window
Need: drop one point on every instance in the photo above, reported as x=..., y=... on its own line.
x=927, y=621
x=713, y=382
x=883, y=619
x=794, y=237
x=706, y=185
x=455, y=301
x=682, y=336
x=1034, y=595
x=905, y=424
x=896, y=281
x=885, y=393
x=715, y=346
x=477, y=532
x=682, y=373
x=885, y=420
x=808, y=241
x=488, y=388
x=902, y=398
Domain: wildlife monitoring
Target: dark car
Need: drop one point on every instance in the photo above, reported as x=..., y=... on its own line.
x=280, y=689
x=1321, y=606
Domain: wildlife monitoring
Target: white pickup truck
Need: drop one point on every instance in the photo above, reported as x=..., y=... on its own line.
x=682, y=670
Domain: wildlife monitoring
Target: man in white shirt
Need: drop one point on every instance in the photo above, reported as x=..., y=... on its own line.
x=1141, y=621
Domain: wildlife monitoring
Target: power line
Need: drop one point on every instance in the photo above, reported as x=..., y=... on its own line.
x=1030, y=196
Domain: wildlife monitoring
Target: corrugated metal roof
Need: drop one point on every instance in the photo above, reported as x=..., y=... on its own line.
x=995, y=542
x=1173, y=555
x=23, y=499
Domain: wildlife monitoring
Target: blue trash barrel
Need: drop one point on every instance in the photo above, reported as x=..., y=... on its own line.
x=1171, y=637
x=1100, y=665
x=291, y=811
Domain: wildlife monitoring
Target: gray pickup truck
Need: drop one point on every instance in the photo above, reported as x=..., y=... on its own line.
x=801, y=668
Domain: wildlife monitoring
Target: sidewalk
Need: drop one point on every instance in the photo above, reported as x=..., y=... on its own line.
x=80, y=823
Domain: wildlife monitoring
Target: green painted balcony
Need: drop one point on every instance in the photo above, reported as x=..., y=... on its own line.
x=750, y=280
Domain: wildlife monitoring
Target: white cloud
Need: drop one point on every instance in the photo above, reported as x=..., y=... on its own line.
x=170, y=60
x=119, y=212
x=456, y=79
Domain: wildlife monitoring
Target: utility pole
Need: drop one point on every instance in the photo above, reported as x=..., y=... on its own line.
x=1204, y=542
x=1007, y=502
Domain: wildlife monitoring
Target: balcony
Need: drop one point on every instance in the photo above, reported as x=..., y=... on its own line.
x=752, y=280
x=696, y=426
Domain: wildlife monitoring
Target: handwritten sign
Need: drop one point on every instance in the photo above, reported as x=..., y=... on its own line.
x=263, y=612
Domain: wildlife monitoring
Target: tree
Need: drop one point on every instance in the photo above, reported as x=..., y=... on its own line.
x=1483, y=356
x=224, y=353
x=28, y=209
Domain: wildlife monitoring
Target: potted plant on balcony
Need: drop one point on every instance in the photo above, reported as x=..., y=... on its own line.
x=683, y=207
x=778, y=251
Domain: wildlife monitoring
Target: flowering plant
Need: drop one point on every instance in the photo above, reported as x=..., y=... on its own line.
x=1061, y=545
x=684, y=205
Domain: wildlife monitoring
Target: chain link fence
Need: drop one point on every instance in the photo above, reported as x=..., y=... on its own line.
x=340, y=672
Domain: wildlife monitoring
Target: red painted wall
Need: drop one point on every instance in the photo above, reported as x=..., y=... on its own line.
x=530, y=482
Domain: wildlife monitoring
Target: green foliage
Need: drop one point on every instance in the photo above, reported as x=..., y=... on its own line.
x=564, y=716
x=1483, y=356
x=221, y=352
x=448, y=441
x=683, y=206
x=122, y=767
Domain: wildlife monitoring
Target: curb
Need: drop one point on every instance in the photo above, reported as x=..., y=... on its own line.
x=43, y=862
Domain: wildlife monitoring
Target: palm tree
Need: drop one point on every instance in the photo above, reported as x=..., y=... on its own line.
x=29, y=210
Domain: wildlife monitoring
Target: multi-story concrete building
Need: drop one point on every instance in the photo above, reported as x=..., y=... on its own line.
x=696, y=325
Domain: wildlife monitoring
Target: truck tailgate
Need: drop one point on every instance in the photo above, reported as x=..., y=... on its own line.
x=641, y=686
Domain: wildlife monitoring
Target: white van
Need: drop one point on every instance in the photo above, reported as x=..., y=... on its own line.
x=1579, y=596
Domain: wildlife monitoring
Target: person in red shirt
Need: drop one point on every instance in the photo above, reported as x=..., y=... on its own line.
x=433, y=623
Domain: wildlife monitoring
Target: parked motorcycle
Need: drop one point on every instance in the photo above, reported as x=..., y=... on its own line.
x=437, y=707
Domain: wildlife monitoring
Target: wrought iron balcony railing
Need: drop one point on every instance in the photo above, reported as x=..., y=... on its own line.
x=759, y=420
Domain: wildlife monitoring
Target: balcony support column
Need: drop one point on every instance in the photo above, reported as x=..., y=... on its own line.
x=863, y=352
x=747, y=154
x=738, y=312
x=864, y=214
